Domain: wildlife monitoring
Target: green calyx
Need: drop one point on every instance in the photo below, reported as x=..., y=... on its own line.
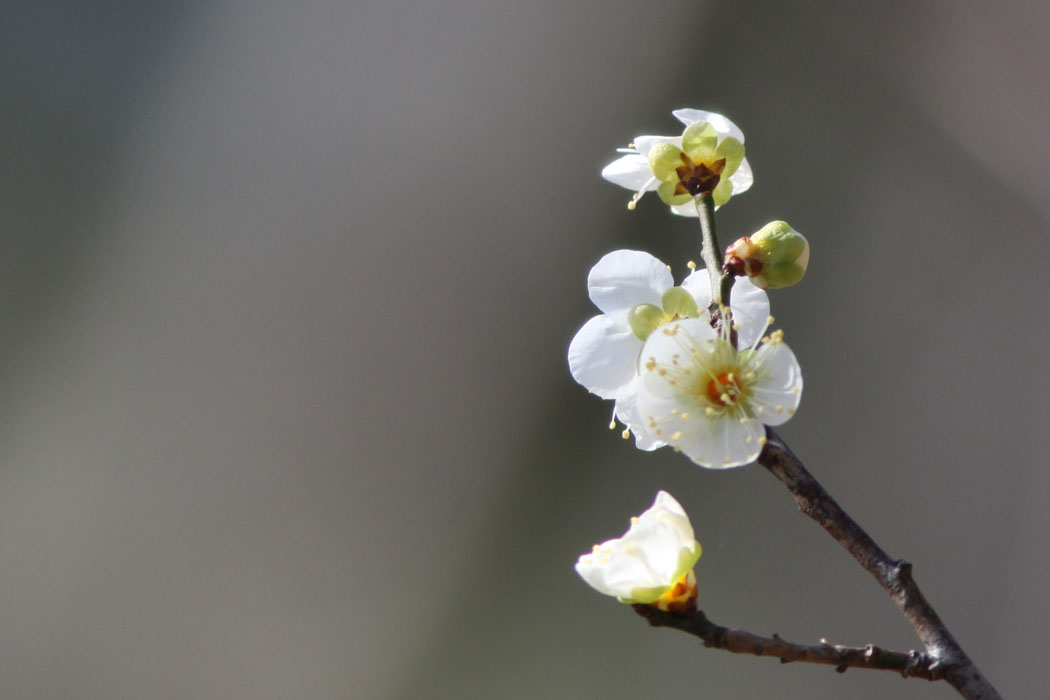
x=646, y=318
x=703, y=165
x=678, y=303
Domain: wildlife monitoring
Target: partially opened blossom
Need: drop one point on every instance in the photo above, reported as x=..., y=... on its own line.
x=636, y=295
x=711, y=401
x=714, y=162
x=652, y=563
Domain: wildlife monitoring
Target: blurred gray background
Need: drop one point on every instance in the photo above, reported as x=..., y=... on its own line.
x=285, y=293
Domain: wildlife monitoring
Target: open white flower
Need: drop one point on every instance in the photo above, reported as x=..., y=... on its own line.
x=711, y=401
x=633, y=286
x=634, y=171
x=652, y=563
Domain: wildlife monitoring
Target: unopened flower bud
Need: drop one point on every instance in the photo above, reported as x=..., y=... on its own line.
x=776, y=256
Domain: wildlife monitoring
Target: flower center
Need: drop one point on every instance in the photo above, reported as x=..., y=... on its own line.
x=681, y=597
x=698, y=178
x=723, y=390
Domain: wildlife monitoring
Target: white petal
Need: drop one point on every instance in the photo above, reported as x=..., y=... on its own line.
x=624, y=279
x=657, y=545
x=687, y=209
x=603, y=356
x=742, y=178
x=627, y=413
x=750, y=306
x=698, y=283
x=722, y=442
x=665, y=501
x=721, y=124
x=612, y=572
x=778, y=389
x=669, y=339
x=667, y=520
x=663, y=409
x=643, y=144
x=630, y=171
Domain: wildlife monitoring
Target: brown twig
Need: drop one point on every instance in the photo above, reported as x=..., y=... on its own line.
x=893, y=575
x=909, y=664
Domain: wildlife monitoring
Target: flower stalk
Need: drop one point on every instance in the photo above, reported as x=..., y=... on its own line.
x=711, y=251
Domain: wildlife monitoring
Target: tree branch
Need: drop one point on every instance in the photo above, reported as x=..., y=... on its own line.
x=910, y=664
x=892, y=574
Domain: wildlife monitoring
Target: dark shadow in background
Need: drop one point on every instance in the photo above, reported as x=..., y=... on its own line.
x=74, y=75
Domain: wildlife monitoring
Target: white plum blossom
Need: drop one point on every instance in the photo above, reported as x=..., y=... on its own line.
x=652, y=563
x=604, y=354
x=633, y=170
x=710, y=400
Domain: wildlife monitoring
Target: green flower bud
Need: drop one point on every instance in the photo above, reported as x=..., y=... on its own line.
x=646, y=318
x=774, y=257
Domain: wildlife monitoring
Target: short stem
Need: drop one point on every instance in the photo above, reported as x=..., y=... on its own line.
x=721, y=283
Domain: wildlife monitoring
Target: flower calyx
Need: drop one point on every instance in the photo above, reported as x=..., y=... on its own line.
x=702, y=165
x=677, y=303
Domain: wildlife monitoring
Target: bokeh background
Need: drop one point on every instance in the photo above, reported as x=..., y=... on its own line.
x=285, y=293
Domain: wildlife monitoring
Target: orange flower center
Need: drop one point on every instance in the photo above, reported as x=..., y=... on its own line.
x=723, y=390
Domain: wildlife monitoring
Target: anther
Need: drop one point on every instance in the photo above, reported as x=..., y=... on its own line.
x=691, y=265
x=626, y=434
x=676, y=436
x=612, y=425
